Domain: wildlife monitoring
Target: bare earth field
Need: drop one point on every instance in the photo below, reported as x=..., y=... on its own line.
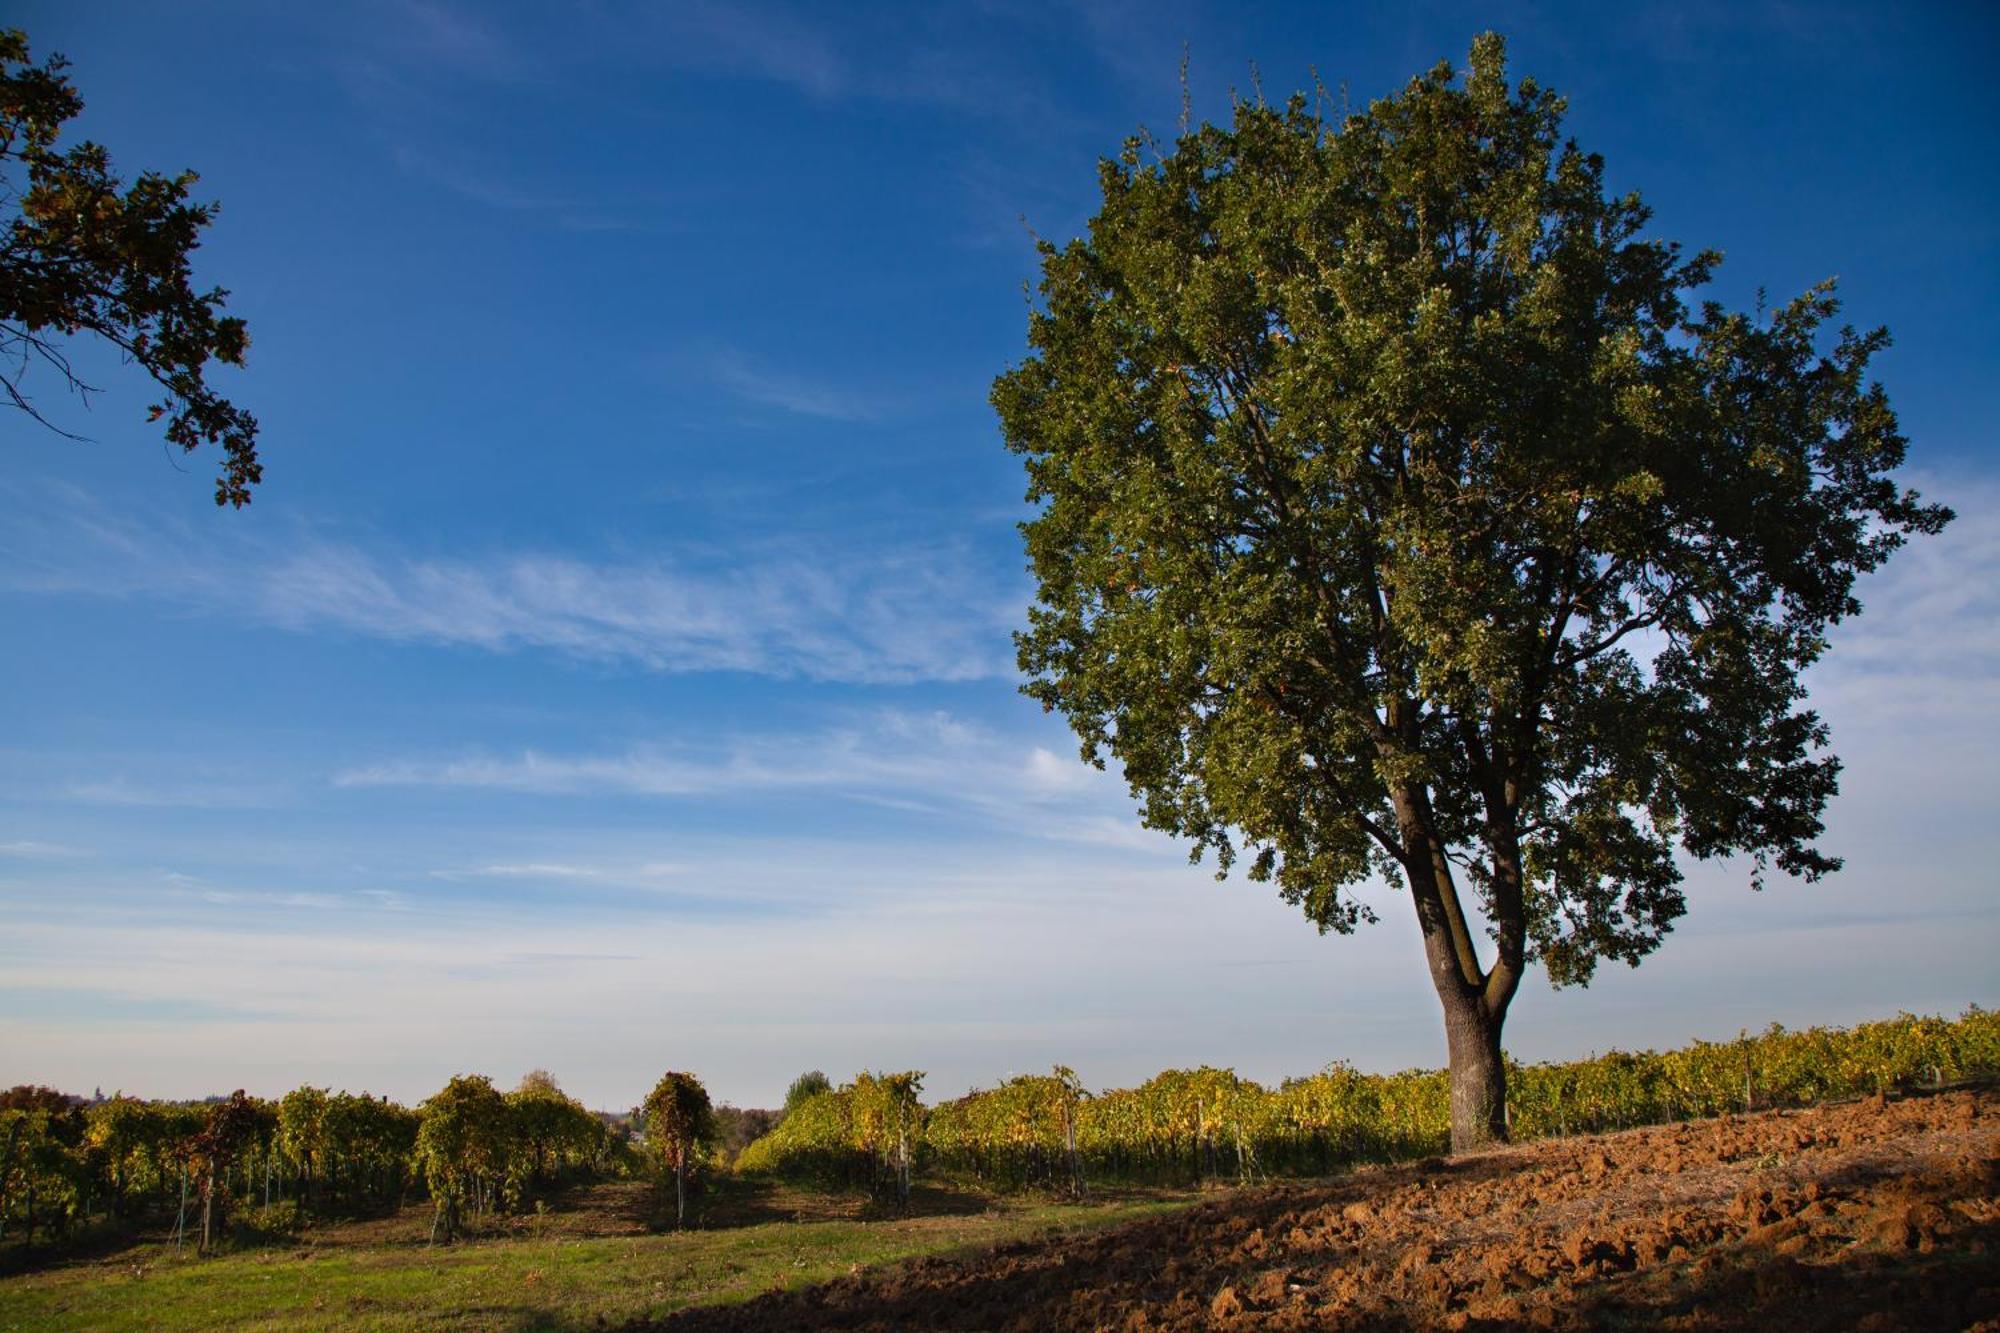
x=1869, y=1215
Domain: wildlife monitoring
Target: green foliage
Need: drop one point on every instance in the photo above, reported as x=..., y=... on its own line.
x=271, y=1165
x=369, y=1141
x=812, y=1143
x=864, y=1135
x=84, y=253
x=680, y=1124
x=679, y=1119
x=231, y=1129
x=736, y=1128
x=805, y=1087
x=302, y=1128
x=275, y=1222
x=1398, y=515
x=1186, y=1126
x=556, y=1135
x=463, y=1144
x=42, y=1164
x=1022, y=1134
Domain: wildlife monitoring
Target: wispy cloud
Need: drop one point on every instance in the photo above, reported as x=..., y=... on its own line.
x=177, y=794
x=961, y=65
x=420, y=71
x=526, y=870
x=546, y=959
x=1934, y=610
x=442, y=34
x=500, y=188
x=27, y=849
x=785, y=610
x=924, y=762
x=764, y=41
x=792, y=393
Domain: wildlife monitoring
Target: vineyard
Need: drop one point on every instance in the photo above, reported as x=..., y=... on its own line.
x=251, y=1167
x=1187, y=1126
x=245, y=1166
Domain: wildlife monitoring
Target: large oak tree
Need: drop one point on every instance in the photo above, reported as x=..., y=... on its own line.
x=1399, y=515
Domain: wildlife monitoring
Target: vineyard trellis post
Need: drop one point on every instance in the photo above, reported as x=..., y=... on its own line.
x=7, y=1171
x=1077, y=1188
x=1200, y=1140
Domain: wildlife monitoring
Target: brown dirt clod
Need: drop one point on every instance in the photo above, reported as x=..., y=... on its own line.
x=1876, y=1213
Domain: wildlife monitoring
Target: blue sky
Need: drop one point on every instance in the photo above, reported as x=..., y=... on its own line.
x=612, y=673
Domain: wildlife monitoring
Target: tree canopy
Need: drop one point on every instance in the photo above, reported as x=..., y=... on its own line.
x=84, y=253
x=1399, y=514
x=806, y=1087
x=680, y=1121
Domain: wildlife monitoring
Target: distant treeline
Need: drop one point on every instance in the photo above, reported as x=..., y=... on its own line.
x=1185, y=1126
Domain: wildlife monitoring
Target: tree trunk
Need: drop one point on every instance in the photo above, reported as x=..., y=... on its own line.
x=1474, y=998
x=680, y=1191
x=1478, y=1077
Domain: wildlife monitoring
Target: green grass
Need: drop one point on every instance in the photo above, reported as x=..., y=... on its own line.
x=384, y=1277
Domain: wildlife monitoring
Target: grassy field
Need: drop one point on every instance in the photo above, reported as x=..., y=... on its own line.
x=593, y=1259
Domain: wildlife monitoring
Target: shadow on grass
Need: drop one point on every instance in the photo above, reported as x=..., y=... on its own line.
x=250, y=1228
x=731, y=1202
x=98, y=1241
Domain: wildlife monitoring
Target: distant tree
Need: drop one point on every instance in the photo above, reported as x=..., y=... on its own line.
x=368, y=1142
x=679, y=1121
x=551, y=1128
x=1397, y=517
x=302, y=1135
x=83, y=253
x=806, y=1087
x=462, y=1145
x=41, y=1131
x=229, y=1128
x=128, y=1133
x=886, y=1118
x=737, y=1128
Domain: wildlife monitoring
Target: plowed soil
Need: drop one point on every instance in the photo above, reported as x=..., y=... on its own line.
x=1867, y=1215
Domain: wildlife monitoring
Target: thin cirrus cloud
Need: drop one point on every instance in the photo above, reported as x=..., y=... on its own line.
x=924, y=763
x=867, y=620
x=455, y=37
x=804, y=50
x=787, y=611
x=1932, y=613
x=498, y=188
x=890, y=751
x=176, y=793
x=792, y=394
x=29, y=849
